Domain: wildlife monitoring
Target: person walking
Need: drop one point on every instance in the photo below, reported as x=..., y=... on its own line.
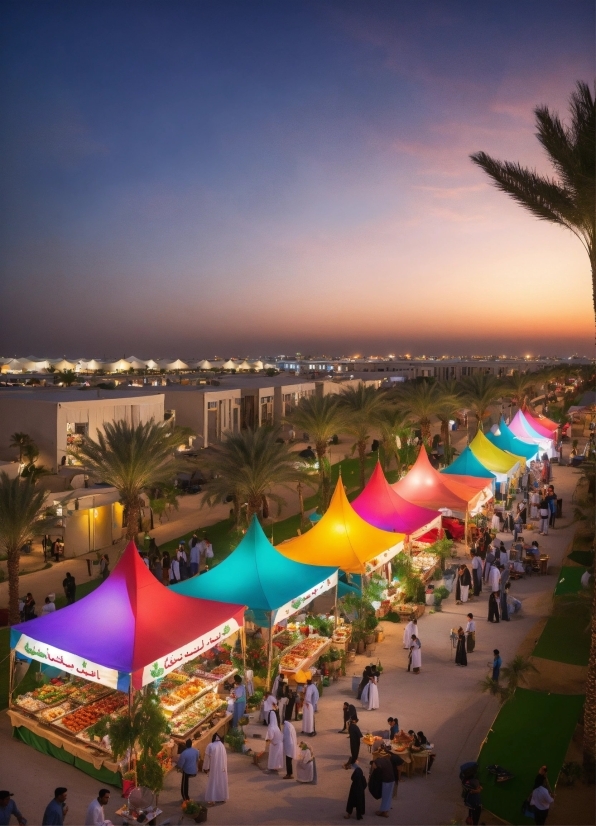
x=290, y=743
x=464, y=580
x=370, y=695
x=489, y=561
x=551, y=498
x=493, y=607
x=544, y=514
x=415, y=655
x=165, y=566
x=70, y=588
x=276, y=744
x=534, y=502
x=216, y=766
x=104, y=567
x=470, y=634
x=95, y=812
x=356, y=797
x=8, y=809
x=494, y=578
x=188, y=764
x=541, y=801
x=56, y=810
x=311, y=698
x=473, y=800
x=504, y=570
x=477, y=574
x=460, y=652
x=496, y=665
x=355, y=737
x=349, y=712
x=195, y=555
x=411, y=628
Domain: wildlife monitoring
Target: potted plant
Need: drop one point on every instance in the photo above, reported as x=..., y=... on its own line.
x=440, y=594
x=197, y=811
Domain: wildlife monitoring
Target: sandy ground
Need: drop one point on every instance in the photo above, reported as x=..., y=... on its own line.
x=443, y=701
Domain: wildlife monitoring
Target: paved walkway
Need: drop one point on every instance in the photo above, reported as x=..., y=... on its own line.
x=443, y=701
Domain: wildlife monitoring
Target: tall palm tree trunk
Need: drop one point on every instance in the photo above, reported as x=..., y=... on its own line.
x=12, y=564
x=362, y=462
x=425, y=430
x=321, y=451
x=590, y=703
x=133, y=513
x=300, y=502
x=254, y=505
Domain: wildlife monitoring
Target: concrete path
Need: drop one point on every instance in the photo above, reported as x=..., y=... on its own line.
x=443, y=701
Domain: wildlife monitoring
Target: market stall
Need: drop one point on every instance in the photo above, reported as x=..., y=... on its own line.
x=271, y=585
x=380, y=505
x=501, y=436
x=468, y=464
x=128, y=633
x=505, y=466
x=522, y=428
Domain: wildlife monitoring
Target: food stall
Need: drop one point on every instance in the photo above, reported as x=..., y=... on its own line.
x=273, y=587
x=129, y=633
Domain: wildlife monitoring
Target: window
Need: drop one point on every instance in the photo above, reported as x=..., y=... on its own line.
x=211, y=405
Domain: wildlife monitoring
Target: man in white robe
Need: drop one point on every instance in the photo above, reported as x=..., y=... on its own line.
x=269, y=704
x=311, y=698
x=276, y=744
x=216, y=764
x=290, y=748
x=416, y=658
x=411, y=628
x=305, y=766
x=370, y=695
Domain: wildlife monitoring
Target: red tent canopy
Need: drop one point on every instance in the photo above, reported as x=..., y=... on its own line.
x=130, y=629
x=541, y=424
x=425, y=486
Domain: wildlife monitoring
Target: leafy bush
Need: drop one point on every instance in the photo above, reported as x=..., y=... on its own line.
x=570, y=772
x=441, y=592
x=235, y=739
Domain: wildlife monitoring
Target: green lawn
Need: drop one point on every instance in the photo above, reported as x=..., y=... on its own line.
x=565, y=639
x=532, y=729
x=82, y=590
x=585, y=558
x=569, y=580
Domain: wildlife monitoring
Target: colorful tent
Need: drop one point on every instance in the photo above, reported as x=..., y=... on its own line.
x=384, y=508
x=257, y=575
x=467, y=464
x=425, y=486
x=542, y=425
x=129, y=631
x=503, y=465
x=522, y=428
x=502, y=437
x=342, y=539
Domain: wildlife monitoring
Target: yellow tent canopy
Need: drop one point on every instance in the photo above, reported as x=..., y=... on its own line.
x=341, y=539
x=492, y=457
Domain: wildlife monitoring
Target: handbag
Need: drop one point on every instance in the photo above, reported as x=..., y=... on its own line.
x=528, y=810
x=375, y=784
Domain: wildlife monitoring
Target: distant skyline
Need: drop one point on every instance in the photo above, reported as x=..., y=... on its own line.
x=185, y=178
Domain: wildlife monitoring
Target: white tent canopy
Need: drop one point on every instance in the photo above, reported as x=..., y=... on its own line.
x=229, y=365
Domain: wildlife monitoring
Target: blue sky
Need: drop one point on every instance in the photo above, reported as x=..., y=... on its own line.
x=191, y=178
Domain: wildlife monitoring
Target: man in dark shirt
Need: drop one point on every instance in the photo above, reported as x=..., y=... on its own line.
x=349, y=712
x=355, y=738
x=387, y=775
x=70, y=588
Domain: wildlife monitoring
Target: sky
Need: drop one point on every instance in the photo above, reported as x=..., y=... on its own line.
x=194, y=178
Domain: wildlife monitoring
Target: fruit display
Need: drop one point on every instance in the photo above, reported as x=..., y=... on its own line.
x=307, y=649
x=48, y=715
x=29, y=703
x=423, y=562
x=195, y=714
x=342, y=633
x=89, y=715
x=184, y=693
x=88, y=692
x=53, y=693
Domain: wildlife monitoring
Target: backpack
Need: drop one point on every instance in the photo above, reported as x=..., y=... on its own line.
x=375, y=784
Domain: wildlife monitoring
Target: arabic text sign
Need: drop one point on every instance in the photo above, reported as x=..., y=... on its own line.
x=70, y=663
x=296, y=604
x=384, y=557
x=188, y=652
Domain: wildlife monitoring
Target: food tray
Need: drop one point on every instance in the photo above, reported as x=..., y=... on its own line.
x=49, y=715
x=195, y=715
x=185, y=694
x=29, y=703
x=89, y=693
x=87, y=716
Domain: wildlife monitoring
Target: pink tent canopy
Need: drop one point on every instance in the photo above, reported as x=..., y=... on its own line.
x=425, y=486
x=542, y=425
x=384, y=508
x=524, y=429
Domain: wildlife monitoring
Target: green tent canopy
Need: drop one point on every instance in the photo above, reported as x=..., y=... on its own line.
x=255, y=574
x=467, y=464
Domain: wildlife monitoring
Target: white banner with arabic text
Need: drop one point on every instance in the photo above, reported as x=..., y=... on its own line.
x=299, y=602
x=70, y=663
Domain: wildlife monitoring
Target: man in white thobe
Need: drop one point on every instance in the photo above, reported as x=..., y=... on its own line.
x=494, y=579
x=311, y=698
x=95, y=813
x=276, y=744
x=411, y=628
x=216, y=764
x=290, y=748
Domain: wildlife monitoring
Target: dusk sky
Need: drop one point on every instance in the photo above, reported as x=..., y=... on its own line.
x=187, y=179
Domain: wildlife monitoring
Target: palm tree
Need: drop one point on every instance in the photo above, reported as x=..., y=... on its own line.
x=420, y=401
x=20, y=440
x=321, y=417
x=249, y=465
x=66, y=377
x=32, y=470
x=568, y=201
x=362, y=405
x=479, y=391
x=448, y=403
x=394, y=431
x=520, y=386
x=21, y=509
x=133, y=458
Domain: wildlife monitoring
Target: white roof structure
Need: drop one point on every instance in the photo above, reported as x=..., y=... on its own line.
x=177, y=365
x=62, y=364
x=152, y=365
x=138, y=364
x=229, y=365
x=258, y=365
x=204, y=365
x=245, y=366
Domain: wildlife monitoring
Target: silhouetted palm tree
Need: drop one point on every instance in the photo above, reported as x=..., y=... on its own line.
x=362, y=405
x=479, y=391
x=20, y=440
x=570, y=200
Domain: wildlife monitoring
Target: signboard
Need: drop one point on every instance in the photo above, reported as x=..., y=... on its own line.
x=70, y=663
x=299, y=602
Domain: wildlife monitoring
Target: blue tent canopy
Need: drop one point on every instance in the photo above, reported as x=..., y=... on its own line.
x=467, y=464
x=255, y=574
x=506, y=440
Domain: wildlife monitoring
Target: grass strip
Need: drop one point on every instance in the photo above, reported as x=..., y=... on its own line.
x=532, y=729
x=585, y=558
x=569, y=580
x=565, y=639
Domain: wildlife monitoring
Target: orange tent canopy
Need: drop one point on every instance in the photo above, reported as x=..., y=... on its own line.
x=341, y=539
x=423, y=485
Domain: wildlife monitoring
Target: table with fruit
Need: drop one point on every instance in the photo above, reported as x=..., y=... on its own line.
x=304, y=653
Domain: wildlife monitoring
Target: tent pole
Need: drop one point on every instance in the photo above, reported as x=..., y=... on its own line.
x=466, y=531
x=270, y=657
x=243, y=644
x=335, y=609
x=11, y=675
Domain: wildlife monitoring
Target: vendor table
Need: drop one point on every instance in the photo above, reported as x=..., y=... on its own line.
x=221, y=728
x=128, y=818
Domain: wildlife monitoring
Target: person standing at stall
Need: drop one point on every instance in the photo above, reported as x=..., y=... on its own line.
x=356, y=797
x=460, y=653
x=188, y=764
x=477, y=574
x=276, y=744
x=415, y=655
x=311, y=698
x=355, y=736
x=370, y=695
x=216, y=766
x=239, y=694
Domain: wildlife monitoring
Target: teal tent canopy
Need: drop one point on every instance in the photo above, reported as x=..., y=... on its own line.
x=255, y=574
x=506, y=440
x=467, y=464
